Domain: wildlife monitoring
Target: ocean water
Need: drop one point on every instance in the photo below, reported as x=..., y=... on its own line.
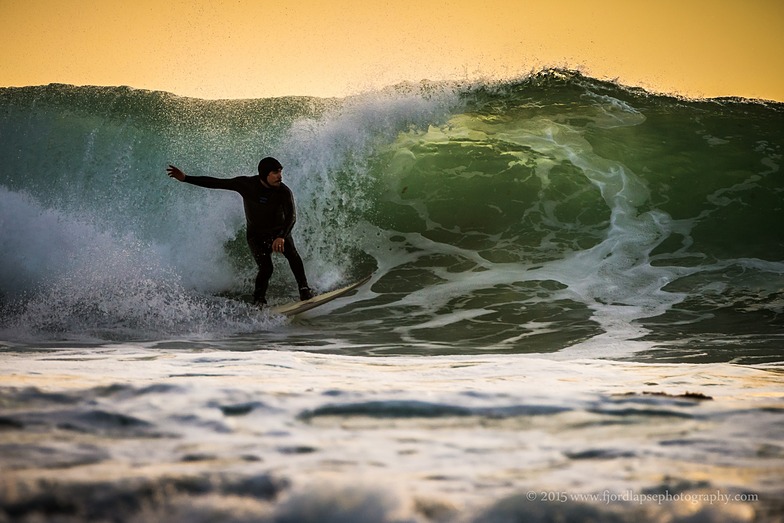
x=576, y=310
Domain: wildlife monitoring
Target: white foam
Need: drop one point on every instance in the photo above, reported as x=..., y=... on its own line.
x=71, y=274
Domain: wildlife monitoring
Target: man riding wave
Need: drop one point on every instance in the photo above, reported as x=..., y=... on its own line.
x=270, y=215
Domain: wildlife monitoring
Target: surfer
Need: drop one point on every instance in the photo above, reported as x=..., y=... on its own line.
x=270, y=217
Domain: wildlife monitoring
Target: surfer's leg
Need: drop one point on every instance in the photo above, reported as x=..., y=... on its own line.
x=298, y=268
x=263, y=257
x=262, y=280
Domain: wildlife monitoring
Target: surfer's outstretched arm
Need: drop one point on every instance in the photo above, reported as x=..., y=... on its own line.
x=175, y=173
x=232, y=184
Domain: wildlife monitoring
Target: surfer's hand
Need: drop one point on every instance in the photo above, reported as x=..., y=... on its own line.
x=278, y=244
x=175, y=173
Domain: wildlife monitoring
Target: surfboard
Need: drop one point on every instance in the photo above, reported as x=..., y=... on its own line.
x=297, y=307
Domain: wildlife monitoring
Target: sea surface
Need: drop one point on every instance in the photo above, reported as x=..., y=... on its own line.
x=576, y=309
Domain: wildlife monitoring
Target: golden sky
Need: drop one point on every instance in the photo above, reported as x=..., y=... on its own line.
x=260, y=48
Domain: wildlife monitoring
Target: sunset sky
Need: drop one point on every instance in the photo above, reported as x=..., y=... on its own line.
x=260, y=48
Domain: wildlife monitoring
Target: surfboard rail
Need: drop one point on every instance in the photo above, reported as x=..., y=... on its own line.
x=298, y=307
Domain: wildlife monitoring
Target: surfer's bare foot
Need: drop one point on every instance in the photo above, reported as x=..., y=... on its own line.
x=305, y=293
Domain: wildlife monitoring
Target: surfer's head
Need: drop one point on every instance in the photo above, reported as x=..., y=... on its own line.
x=270, y=171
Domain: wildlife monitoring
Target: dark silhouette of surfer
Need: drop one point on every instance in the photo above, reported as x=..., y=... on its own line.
x=270, y=215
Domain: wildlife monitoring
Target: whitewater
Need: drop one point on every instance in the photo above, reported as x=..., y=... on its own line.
x=575, y=310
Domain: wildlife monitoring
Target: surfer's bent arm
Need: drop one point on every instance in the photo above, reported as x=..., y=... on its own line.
x=290, y=214
x=290, y=217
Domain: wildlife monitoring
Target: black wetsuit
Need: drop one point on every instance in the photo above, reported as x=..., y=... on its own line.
x=270, y=214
